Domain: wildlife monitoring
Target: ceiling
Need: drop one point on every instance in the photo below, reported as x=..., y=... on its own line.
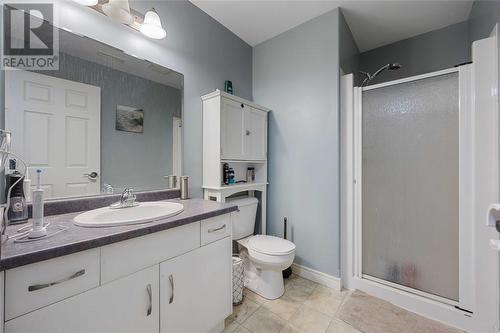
x=373, y=23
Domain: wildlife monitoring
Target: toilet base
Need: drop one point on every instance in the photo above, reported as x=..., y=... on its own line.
x=266, y=283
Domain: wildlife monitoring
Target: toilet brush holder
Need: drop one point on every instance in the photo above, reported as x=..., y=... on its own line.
x=287, y=272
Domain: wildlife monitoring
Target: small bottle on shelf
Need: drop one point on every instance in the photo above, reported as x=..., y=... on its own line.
x=250, y=174
x=231, y=176
x=225, y=174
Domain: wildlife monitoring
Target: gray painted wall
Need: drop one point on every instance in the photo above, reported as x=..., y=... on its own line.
x=138, y=160
x=482, y=19
x=348, y=50
x=207, y=54
x=296, y=74
x=196, y=45
x=432, y=51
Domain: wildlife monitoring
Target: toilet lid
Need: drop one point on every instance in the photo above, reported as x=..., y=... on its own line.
x=271, y=245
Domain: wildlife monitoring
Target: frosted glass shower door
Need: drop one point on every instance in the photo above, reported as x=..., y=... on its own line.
x=410, y=184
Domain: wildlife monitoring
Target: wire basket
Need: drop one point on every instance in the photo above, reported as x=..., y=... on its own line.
x=238, y=281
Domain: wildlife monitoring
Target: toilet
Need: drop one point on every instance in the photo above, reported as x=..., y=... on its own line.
x=264, y=257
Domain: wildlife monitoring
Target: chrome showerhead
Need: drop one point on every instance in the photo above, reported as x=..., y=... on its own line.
x=394, y=66
x=368, y=77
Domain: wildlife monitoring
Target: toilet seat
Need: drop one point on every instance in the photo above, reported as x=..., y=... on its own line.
x=271, y=245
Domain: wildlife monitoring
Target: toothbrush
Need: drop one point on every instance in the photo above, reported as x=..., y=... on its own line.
x=38, y=229
x=27, y=185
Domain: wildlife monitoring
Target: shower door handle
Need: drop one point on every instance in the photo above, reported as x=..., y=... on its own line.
x=493, y=220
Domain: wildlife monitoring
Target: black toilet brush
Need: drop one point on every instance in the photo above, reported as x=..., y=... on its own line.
x=287, y=272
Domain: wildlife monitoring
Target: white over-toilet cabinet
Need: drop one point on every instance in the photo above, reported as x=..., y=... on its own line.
x=234, y=133
x=243, y=131
x=177, y=280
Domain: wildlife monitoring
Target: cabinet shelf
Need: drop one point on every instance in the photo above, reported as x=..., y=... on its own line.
x=243, y=161
x=241, y=186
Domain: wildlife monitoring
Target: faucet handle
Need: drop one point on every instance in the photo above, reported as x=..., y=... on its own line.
x=128, y=197
x=127, y=192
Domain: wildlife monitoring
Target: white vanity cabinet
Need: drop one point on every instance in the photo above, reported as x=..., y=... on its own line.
x=196, y=289
x=177, y=280
x=129, y=304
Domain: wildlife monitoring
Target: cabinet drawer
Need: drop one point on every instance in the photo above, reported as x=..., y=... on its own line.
x=215, y=228
x=124, y=258
x=31, y=287
x=130, y=305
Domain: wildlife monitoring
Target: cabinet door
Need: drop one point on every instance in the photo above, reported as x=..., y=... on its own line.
x=255, y=128
x=130, y=304
x=195, y=289
x=231, y=129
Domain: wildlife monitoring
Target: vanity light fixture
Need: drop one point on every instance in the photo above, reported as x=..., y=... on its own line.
x=118, y=10
x=152, y=27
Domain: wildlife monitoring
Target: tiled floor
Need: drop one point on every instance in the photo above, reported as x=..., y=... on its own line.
x=307, y=307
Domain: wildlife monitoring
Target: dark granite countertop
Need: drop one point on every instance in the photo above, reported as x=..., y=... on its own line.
x=76, y=238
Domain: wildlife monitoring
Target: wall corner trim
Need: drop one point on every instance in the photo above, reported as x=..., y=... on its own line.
x=317, y=276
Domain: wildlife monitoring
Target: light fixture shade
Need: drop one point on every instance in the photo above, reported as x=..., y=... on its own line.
x=86, y=2
x=118, y=10
x=152, y=25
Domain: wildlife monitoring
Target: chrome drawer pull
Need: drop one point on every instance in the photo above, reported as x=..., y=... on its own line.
x=217, y=229
x=150, y=299
x=171, y=279
x=46, y=285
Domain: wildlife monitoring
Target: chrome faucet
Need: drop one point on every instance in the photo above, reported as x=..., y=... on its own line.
x=127, y=199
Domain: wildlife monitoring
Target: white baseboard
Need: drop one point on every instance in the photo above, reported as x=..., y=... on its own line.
x=317, y=276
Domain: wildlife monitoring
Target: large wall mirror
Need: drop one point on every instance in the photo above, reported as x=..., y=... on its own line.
x=104, y=121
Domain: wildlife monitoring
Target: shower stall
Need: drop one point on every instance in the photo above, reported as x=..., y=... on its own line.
x=417, y=179
x=409, y=205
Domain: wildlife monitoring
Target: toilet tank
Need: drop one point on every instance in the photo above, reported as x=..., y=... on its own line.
x=244, y=219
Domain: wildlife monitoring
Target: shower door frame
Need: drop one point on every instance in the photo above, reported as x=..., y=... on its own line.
x=417, y=300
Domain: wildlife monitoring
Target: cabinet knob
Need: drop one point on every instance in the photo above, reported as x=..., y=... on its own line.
x=247, y=132
x=242, y=105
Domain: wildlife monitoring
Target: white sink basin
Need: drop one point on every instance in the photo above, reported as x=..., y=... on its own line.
x=144, y=212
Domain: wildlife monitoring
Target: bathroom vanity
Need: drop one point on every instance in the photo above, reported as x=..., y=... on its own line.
x=170, y=275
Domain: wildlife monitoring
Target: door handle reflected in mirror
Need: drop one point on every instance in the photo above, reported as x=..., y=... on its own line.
x=92, y=176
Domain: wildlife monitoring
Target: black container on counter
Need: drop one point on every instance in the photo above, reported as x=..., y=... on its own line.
x=18, y=209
